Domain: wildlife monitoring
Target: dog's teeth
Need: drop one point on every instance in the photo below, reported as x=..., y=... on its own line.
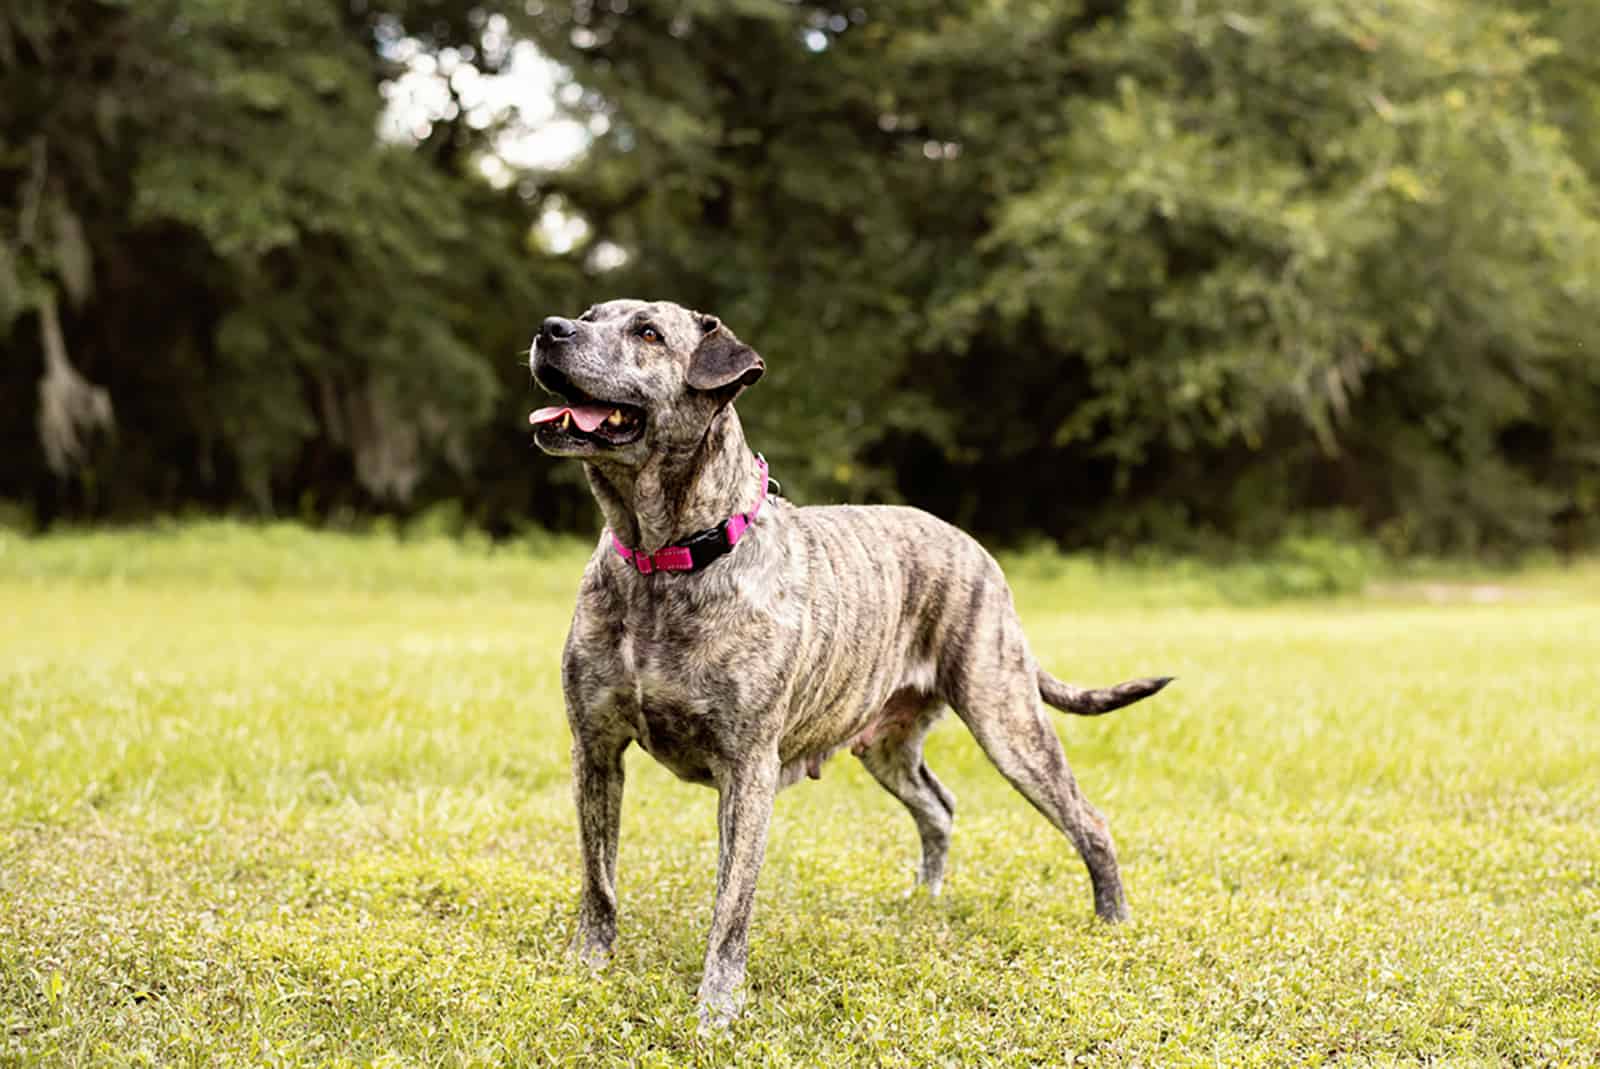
x=566, y=421
x=615, y=419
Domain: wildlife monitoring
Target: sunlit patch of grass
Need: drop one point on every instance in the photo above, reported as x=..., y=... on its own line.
x=273, y=796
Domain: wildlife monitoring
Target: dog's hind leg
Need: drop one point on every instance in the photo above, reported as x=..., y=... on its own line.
x=892, y=751
x=997, y=696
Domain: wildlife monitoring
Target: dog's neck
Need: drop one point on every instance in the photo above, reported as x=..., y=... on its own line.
x=682, y=492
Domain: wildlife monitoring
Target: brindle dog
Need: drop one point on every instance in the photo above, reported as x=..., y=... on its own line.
x=822, y=628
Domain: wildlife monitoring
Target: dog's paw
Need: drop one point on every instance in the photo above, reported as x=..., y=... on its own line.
x=719, y=1009
x=1114, y=912
x=591, y=953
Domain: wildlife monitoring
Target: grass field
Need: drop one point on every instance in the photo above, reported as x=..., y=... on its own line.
x=268, y=798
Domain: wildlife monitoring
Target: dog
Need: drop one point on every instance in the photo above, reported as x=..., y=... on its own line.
x=741, y=641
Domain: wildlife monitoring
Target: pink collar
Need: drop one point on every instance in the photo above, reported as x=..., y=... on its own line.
x=698, y=550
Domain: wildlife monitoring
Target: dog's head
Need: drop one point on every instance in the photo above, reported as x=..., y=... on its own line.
x=633, y=377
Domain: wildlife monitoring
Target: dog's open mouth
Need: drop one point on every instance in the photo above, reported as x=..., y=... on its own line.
x=593, y=422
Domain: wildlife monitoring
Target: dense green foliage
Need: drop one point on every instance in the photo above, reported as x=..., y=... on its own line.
x=275, y=303
x=1110, y=271
x=338, y=831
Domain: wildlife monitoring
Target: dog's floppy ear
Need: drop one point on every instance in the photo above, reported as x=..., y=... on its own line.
x=721, y=360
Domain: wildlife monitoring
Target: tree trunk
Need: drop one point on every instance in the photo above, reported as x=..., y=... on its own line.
x=71, y=408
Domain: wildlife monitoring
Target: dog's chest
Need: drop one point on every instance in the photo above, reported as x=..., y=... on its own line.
x=685, y=667
x=678, y=710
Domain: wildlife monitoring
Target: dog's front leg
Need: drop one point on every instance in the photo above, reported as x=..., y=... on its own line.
x=597, y=789
x=744, y=810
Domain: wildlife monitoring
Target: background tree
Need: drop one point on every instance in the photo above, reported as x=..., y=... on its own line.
x=1108, y=271
x=277, y=307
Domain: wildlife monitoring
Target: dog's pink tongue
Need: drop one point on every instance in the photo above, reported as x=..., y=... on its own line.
x=587, y=417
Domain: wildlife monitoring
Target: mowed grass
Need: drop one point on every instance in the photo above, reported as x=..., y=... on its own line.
x=273, y=798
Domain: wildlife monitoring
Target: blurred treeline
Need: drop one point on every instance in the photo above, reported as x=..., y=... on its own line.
x=1103, y=271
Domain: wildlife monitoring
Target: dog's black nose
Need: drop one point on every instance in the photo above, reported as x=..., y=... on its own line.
x=557, y=329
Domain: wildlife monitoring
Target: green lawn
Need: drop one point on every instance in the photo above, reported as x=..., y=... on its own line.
x=274, y=798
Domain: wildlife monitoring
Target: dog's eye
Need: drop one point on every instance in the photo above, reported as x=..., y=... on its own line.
x=650, y=334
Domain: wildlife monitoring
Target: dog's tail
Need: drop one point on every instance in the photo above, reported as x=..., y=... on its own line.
x=1086, y=702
